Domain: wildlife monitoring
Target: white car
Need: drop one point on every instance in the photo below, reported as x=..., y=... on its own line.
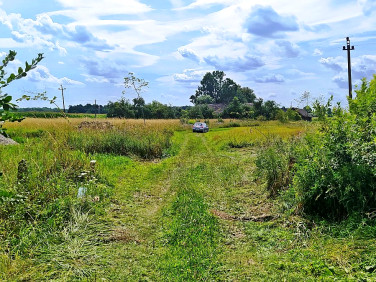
x=200, y=127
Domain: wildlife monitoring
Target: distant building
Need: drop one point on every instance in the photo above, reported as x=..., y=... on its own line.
x=217, y=108
x=304, y=114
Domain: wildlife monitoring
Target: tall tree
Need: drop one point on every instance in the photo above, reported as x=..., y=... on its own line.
x=211, y=84
x=246, y=95
x=138, y=85
x=220, y=90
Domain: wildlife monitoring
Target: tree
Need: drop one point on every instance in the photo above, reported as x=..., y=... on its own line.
x=204, y=99
x=304, y=98
x=211, y=84
x=138, y=85
x=270, y=109
x=235, y=109
x=322, y=110
x=246, y=95
x=120, y=109
x=5, y=99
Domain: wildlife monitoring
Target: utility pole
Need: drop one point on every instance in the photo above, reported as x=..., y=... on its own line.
x=62, y=94
x=95, y=108
x=348, y=48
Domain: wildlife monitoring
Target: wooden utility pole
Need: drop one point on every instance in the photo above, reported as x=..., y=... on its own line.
x=348, y=48
x=95, y=108
x=62, y=94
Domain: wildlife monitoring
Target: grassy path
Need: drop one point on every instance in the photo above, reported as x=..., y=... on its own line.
x=164, y=225
x=184, y=219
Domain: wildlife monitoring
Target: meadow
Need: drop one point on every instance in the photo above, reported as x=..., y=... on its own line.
x=115, y=199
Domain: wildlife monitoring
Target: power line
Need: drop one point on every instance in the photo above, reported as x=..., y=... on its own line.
x=348, y=48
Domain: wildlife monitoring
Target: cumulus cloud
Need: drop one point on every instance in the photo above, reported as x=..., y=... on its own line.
x=44, y=32
x=239, y=64
x=363, y=66
x=103, y=70
x=189, y=54
x=190, y=76
x=42, y=74
x=337, y=64
x=341, y=81
x=317, y=52
x=78, y=34
x=288, y=49
x=274, y=78
x=266, y=22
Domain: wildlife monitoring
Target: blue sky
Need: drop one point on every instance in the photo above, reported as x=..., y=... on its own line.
x=279, y=48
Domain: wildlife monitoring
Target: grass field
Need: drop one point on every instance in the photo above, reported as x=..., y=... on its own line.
x=190, y=209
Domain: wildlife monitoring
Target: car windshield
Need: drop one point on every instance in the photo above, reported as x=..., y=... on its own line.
x=199, y=124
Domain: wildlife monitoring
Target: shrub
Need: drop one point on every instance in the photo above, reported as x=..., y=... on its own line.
x=335, y=173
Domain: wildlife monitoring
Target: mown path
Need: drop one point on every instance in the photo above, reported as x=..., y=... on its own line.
x=165, y=228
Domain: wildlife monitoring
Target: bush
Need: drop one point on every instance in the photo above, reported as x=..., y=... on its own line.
x=335, y=173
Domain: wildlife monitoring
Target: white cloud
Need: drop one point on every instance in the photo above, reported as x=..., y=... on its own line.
x=41, y=74
x=274, y=78
x=190, y=76
x=204, y=3
x=317, y=52
x=189, y=54
x=83, y=9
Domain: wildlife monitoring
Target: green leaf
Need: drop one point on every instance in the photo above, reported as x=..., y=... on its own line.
x=20, y=70
x=7, y=99
x=28, y=67
x=11, y=78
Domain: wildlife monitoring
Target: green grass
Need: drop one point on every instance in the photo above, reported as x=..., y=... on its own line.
x=179, y=218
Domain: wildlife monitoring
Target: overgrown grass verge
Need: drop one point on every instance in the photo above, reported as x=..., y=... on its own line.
x=146, y=144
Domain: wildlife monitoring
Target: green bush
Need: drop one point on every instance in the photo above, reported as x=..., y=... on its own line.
x=335, y=174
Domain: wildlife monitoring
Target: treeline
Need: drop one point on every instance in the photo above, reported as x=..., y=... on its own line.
x=216, y=96
x=88, y=109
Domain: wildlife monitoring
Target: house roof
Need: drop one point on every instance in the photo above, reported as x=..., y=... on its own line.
x=218, y=108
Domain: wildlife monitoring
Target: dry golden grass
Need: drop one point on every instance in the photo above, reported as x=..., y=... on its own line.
x=67, y=124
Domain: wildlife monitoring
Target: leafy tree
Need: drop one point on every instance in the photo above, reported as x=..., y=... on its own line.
x=257, y=107
x=214, y=85
x=236, y=109
x=229, y=91
x=308, y=109
x=292, y=115
x=204, y=99
x=321, y=110
x=5, y=100
x=200, y=111
x=122, y=109
x=211, y=85
x=246, y=95
x=270, y=109
x=281, y=116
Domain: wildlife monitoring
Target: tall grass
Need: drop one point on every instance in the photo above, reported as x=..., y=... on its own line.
x=255, y=133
